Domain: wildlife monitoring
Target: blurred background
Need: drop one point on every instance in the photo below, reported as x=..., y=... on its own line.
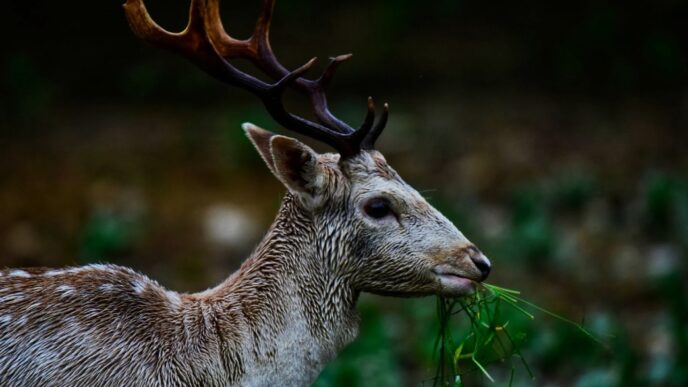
x=552, y=134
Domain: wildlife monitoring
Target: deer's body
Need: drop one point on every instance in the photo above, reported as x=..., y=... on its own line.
x=348, y=224
x=276, y=321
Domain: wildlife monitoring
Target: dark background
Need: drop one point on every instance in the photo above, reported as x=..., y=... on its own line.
x=553, y=134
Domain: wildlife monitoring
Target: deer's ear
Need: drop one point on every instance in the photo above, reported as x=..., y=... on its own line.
x=296, y=165
x=261, y=140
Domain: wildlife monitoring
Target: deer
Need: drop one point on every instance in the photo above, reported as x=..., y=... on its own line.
x=347, y=224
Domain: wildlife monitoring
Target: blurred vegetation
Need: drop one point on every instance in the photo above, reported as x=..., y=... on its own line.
x=553, y=134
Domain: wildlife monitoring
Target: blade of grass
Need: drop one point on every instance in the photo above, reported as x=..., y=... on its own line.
x=482, y=369
x=513, y=304
x=566, y=320
x=499, y=288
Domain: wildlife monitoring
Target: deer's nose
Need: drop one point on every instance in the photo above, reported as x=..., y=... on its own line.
x=482, y=263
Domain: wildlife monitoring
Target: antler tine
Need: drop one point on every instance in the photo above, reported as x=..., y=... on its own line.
x=316, y=89
x=260, y=42
x=146, y=28
x=328, y=73
x=227, y=46
x=370, y=116
x=368, y=142
x=205, y=43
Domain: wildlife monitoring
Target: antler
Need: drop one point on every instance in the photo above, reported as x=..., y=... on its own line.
x=206, y=44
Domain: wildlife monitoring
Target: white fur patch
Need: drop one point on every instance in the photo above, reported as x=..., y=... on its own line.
x=139, y=286
x=66, y=290
x=19, y=273
x=5, y=319
x=80, y=269
x=100, y=266
x=52, y=273
x=175, y=300
x=11, y=297
x=77, y=270
x=107, y=287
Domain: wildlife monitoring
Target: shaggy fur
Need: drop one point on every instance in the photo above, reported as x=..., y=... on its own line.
x=276, y=321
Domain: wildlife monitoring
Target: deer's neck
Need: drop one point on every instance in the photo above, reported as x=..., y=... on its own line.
x=294, y=306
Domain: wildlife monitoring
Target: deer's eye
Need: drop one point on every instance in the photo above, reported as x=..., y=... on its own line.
x=377, y=208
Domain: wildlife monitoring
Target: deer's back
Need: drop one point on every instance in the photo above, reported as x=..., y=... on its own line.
x=101, y=325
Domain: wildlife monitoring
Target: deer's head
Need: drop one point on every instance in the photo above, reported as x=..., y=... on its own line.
x=374, y=229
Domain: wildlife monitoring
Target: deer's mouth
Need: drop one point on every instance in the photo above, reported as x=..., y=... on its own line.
x=453, y=283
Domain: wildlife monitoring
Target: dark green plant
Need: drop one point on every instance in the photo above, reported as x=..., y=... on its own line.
x=491, y=336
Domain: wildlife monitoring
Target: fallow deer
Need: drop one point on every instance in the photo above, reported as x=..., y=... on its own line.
x=347, y=224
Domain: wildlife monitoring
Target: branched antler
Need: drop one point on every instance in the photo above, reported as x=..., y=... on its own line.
x=206, y=44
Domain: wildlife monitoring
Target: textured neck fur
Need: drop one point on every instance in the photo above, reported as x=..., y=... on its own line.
x=290, y=299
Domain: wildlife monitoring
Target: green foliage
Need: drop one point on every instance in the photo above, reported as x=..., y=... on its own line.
x=496, y=332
